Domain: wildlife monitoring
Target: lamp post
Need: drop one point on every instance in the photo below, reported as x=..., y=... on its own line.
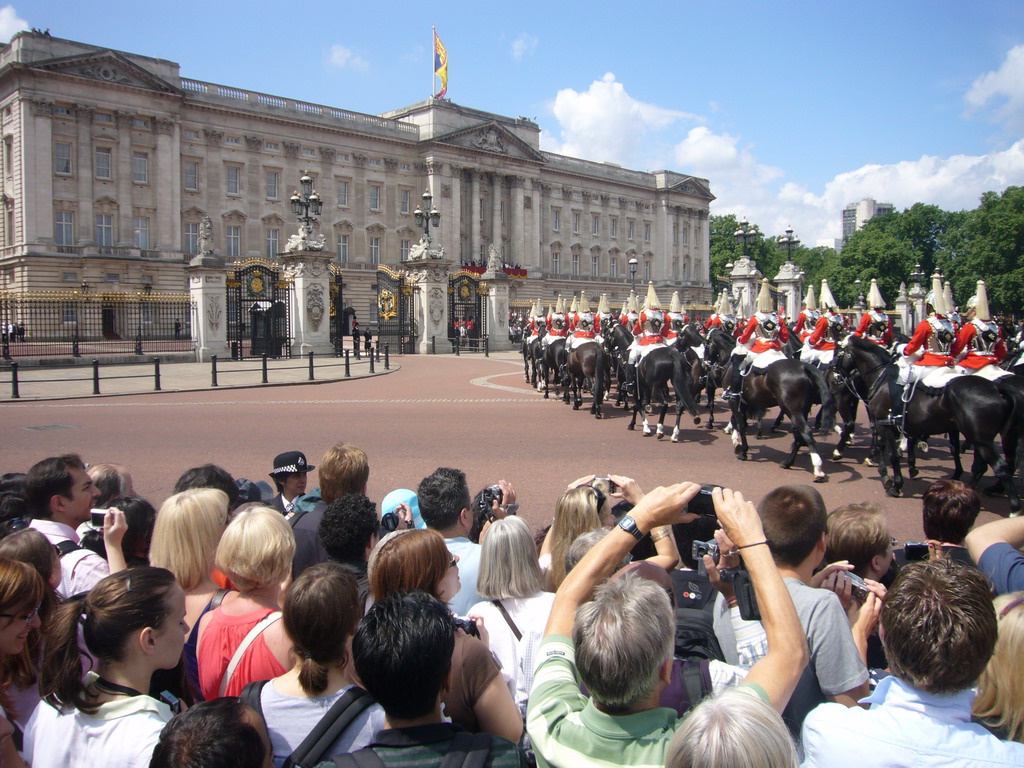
x=427, y=215
x=789, y=242
x=307, y=205
x=632, y=274
x=860, y=304
x=745, y=235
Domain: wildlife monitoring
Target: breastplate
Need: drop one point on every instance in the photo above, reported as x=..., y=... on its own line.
x=586, y=322
x=941, y=340
x=812, y=318
x=654, y=322
x=986, y=336
x=728, y=323
x=767, y=327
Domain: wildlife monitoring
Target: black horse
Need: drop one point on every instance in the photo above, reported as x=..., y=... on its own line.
x=531, y=350
x=553, y=367
x=617, y=339
x=688, y=341
x=791, y=386
x=968, y=405
x=587, y=370
x=717, y=350
x=659, y=368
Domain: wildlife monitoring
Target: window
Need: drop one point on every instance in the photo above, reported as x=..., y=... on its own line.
x=556, y=262
x=686, y=235
x=191, y=243
x=8, y=155
x=406, y=195
x=374, y=197
x=62, y=159
x=308, y=152
x=647, y=271
x=575, y=263
x=103, y=165
x=70, y=314
x=104, y=229
x=61, y=111
x=233, y=140
x=140, y=167
x=70, y=277
x=594, y=265
x=272, y=239
x=404, y=167
x=272, y=179
x=342, y=244
x=595, y=224
x=629, y=229
x=191, y=174
x=112, y=277
x=138, y=122
x=342, y=193
x=556, y=219
x=647, y=231
x=271, y=145
x=106, y=117
x=189, y=133
x=64, y=228
x=232, y=184
x=575, y=222
x=375, y=250
x=613, y=266
x=404, y=249
x=234, y=238
x=614, y=226
x=140, y=232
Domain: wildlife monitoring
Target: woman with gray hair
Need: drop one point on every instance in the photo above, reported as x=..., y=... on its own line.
x=516, y=609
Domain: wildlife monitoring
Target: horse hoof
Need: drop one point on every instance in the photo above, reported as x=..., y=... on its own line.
x=837, y=455
x=661, y=435
x=838, y=429
x=821, y=478
x=786, y=465
x=913, y=471
x=922, y=446
x=891, y=489
x=710, y=425
x=869, y=463
x=648, y=408
x=598, y=416
x=696, y=419
x=575, y=407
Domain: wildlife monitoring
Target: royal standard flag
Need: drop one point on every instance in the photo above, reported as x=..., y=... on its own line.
x=441, y=64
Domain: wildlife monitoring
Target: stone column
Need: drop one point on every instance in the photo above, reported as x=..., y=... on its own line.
x=453, y=210
x=790, y=281
x=430, y=301
x=533, y=256
x=474, y=212
x=517, y=240
x=121, y=164
x=497, y=309
x=496, y=228
x=206, y=285
x=310, y=295
x=168, y=170
x=84, y=220
x=746, y=279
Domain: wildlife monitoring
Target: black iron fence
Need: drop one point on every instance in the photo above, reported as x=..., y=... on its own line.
x=76, y=324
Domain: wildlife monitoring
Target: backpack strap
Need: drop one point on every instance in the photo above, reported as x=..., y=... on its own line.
x=66, y=547
x=361, y=758
x=252, y=695
x=468, y=750
x=508, y=619
x=696, y=677
x=248, y=640
x=354, y=701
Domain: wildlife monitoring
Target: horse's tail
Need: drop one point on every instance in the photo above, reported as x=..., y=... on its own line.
x=828, y=403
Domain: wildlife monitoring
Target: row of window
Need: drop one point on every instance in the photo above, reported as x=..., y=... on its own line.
x=595, y=266
x=103, y=229
x=103, y=163
x=595, y=225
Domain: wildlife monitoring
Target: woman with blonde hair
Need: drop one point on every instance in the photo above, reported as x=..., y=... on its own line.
x=478, y=699
x=188, y=528
x=516, y=608
x=999, y=705
x=242, y=640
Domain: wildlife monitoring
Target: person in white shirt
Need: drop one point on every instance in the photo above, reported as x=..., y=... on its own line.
x=60, y=495
x=132, y=623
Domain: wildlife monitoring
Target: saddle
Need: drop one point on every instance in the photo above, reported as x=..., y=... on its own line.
x=764, y=359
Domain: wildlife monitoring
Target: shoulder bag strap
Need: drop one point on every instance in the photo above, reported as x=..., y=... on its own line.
x=218, y=598
x=252, y=695
x=297, y=515
x=66, y=547
x=696, y=681
x=248, y=640
x=329, y=728
x=508, y=619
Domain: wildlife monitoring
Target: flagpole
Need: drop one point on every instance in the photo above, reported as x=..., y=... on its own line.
x=433, y=55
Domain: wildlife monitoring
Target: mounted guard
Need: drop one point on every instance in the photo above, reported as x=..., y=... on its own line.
x=819, y=349
x=875, y=325
x=808, y=317
x=648, y=333
x=537, y=323
x=760, y=343
x=558, y=324
x=629, y=314
x=676, y=318
x=584, y=324
x=952, y=311
x=979, y=347
x=723, y=318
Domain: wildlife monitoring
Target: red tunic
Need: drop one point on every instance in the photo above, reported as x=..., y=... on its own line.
x=865, y=324
x=762, y=344
x=819, y=336
x=645, y=338
x=920, y=339
x=977, y=357
x=579, y=332
x=804, y=325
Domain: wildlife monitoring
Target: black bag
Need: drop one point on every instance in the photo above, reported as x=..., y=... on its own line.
x=695, y=635
x=468, y=750
x=325, y=732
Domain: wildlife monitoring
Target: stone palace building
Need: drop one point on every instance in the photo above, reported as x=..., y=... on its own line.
x=111, y=160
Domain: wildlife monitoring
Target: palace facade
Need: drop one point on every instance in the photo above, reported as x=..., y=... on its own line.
x=111, y=160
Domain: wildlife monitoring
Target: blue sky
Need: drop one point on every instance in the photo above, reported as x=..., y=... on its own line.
x=790, y=109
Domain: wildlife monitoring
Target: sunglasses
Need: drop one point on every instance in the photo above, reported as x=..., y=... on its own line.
x=26, y=617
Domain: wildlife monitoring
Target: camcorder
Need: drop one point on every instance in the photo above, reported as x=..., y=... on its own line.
x=486, y=498
x=467, y=625
x=605, y=484
x=390, y=521
x=746, y=600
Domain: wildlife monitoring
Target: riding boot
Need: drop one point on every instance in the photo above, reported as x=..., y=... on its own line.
x=630, y=377
x=736, y=382
x=897, y=408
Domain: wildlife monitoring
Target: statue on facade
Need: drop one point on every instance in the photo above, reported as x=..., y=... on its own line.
x=206, y=236
x=422, y=251
x=489, y=140
x=493, y=260
x=305, y=240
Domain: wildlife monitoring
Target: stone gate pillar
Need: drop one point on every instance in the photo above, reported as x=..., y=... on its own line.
x=903, y=306
x=790, y=282
x=746, y=284
x=310, y=297
x=208, y=289
x=429, y=278
x=497, y=305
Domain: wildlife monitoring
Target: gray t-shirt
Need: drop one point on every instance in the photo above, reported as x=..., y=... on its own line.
x=290, y=719
x=835, y=665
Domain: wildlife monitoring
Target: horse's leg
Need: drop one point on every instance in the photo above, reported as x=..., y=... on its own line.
x=954, y=447
x=889, y=461
x=804, y=435
x=739, y=432
x=1001, y=469
x=775, y=424
x=661, y=416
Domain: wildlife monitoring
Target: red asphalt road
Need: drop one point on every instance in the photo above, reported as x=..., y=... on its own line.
x=468, y=412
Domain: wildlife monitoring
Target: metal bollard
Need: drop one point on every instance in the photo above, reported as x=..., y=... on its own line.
x=487, y=346
x=265, y=378
x=457, y=340
x=378, y=351
x=95, y=376
x=311, y=377
x=371, y=363
x=213, y=369
x=14, y=381
x=433, y=345
x=348, y=370
x=387, y=358
x=156, y=374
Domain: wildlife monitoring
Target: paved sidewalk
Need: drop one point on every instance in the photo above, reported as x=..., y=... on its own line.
x=40, y=383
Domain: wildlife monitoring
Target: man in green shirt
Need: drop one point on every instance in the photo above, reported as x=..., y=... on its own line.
x=622, y=640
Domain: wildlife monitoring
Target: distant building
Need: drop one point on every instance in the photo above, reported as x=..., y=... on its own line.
x=856, y=215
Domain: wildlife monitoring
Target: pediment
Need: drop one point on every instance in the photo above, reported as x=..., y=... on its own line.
x=691, y=186
x=107, y=67
x=494, y=139
x=194, y=213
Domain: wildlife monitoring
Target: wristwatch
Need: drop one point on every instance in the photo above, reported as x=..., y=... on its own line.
x=628, y=524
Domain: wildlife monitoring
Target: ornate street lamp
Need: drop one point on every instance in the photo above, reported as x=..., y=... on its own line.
x=632, y=274
x=746, y=235
x=427, y=215
x=306, y=205
x=789, y=242
x=861, y=303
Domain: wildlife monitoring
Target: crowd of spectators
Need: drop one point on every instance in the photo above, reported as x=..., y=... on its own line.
x=257, y=624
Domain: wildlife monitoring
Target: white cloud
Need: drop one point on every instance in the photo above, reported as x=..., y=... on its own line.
x=10, y=23
x=341, y=57
x=523, y=46
x=1004, y=85
x=605, y=123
